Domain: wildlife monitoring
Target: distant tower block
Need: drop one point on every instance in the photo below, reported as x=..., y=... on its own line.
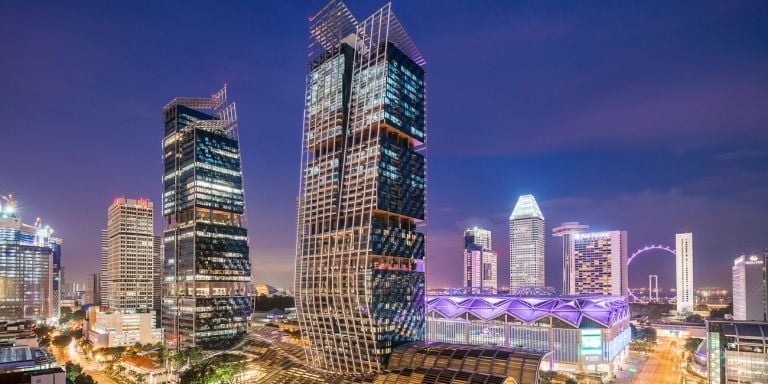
x=684, y=268
x=566, y=231
x=653, y=286
x=526, y=244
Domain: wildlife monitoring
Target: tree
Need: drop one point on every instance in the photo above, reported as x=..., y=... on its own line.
x=220, y=368
x=84, y=379
x=62, y=341
x=79, y=314
x=721, y=312
x=695, y=318
x=692, y=343
x=73, y=370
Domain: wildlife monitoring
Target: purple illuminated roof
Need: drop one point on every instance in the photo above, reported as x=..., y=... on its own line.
x=604, y=310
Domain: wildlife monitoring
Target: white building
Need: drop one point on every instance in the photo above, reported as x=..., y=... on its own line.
x=112, y=328
x=600, y=263
x=526, y=244
x=566, y=232
x=684, y=267
x=130, y=256
x=750, y=289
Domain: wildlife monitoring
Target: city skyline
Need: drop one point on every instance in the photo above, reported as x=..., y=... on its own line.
x=671, y=191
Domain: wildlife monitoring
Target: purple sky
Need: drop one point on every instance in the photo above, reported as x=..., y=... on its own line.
x=645, y=116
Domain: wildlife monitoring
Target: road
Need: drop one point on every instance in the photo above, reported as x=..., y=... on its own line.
x=663, y=365
x=63, y=355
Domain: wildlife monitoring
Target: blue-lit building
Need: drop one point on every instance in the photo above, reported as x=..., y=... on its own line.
x=360, y=242
x=206, y=264
x=26, y=268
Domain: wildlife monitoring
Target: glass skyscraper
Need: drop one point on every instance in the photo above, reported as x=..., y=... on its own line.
x=206, y=266
x=26, y=267
x=360, y=242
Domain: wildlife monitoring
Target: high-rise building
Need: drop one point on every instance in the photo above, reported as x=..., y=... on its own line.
x=157, y=278
x=103, y=268
x=206, y=265
x=600, y=263
x=750, y=287
x=91, y=288
x=480, y=261
x=58, y=274
x=566, y=232
x=526, y=244
x=684, y=268
x=26, y=267
x=360, y=245
x=130, y=255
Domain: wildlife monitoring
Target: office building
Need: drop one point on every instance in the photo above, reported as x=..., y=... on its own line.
x=526, y=244
x=360, y=243
x=26, y=267
x=566, y=232
x=600, y=263
x=206, y=265
x=58, y=275
x=587, y=334
x=480, y=261
x=157, y=278
x=130, y=255
x=750, y=287
x=684, y=272
x=91, y=289
x=736, y=352
x=103, y=268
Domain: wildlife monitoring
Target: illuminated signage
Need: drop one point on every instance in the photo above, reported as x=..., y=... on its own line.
x=591, y=342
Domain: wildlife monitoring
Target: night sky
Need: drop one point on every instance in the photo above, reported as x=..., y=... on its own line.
x=646, y=116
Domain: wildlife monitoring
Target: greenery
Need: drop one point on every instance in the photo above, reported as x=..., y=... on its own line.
x=43, y=333
x=62, y=341
x=643, y=339
x=265, y=303
x=692, y=343
x=720, y=313
x=220, y=368
x=695, y=318
x=84, y=379
x=67, y=315
x=73, y=370
x=654, y=311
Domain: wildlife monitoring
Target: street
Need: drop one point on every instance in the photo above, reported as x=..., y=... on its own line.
x=63, y=355
x=663, y=365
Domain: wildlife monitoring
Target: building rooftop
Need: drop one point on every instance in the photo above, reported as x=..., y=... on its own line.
x=573, y=310
x=526, y=207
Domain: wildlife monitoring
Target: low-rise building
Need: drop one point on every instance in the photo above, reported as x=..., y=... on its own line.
x=105, y=327
x=22, y=358
x=737, y=351
x=588, y=334
x=142, y=369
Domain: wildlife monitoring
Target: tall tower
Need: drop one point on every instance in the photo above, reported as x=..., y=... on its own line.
x=750, y=287
x=206, y=264
x=480, y=261
x=130, y=255
x=526, y=244
x=103, y=282
x=684, y=268
x=157, y=276
x=566, y=232
x=360, y=242
x=600, y=263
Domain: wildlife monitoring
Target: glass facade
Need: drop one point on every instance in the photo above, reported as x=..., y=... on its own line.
x=361, y=215
x=526, y=244
x=26, y=269
x=737, y=352
x=206, y=262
